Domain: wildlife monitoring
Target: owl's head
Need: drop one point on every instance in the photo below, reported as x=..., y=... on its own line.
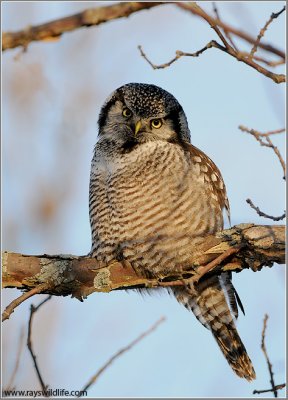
x=142, y=113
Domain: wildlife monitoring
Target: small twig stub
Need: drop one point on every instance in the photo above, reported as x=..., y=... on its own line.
x=15, y=303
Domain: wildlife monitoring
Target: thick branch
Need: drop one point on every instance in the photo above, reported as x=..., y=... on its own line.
x=54, y=29
x=257, y=246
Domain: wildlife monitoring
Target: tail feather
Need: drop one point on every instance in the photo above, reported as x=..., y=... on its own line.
x=235, y=352
x=214, y=303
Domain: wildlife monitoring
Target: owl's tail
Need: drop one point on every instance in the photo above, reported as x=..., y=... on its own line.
x=213, y=302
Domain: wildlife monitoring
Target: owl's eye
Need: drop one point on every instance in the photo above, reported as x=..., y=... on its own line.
x=126, y=112
x=156, y=123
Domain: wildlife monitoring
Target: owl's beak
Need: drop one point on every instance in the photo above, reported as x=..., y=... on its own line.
x=137, y=127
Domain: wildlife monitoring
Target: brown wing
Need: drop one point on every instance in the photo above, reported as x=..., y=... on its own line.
x=212, y=176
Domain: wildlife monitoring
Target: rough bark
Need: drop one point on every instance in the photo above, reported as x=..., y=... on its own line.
x=79, y=276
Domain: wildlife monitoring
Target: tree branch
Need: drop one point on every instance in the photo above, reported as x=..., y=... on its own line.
x=179, y=54
x=263, y=30
x=227, y=33
x=240, y=56
x=215, y=23
x=262, y=214
x=54, y=29
x=62, y=275
x=41, y=288
x=190, y=6
x=263, y=347
x=95, y=16
x=277, y=387
x=267, y=142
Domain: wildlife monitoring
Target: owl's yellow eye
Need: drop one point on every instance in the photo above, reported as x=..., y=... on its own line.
x=126, y=112
x=156, y=123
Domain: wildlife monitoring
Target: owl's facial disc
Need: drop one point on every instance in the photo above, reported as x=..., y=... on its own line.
x=138, y=124
x=145, y=113
x=123, y=122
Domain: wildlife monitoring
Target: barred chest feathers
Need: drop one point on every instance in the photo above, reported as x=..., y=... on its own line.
x=143, y=200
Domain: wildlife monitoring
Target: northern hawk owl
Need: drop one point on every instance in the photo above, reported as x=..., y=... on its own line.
x=153, y=196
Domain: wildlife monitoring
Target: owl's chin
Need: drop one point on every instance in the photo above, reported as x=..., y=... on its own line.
x=122, y=140
x=130, y=144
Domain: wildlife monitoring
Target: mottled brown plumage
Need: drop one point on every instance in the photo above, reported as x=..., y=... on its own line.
x=153, y=196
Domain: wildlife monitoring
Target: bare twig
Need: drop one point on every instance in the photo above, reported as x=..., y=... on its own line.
x=277, y=387
x=211, y=21
x=263, y=30
x=15, y=303
x=276, y=151
x=190, y=7
x=270, y=63
x=263, y=347
x=275, y=132
x=215, y=24
x=262, y=214
x=18, y=357
x=29, y=344
x=120, y=352
x=242, y=57
x=178, y=54
x=258, y=136
x=226, y=31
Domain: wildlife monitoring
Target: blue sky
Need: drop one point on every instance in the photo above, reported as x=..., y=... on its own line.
x=52, y=95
